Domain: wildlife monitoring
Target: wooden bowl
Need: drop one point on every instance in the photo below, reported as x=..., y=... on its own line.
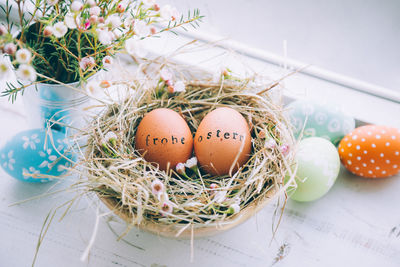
x=176, y=231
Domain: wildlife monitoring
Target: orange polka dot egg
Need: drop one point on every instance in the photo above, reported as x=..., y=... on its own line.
x=371, y=151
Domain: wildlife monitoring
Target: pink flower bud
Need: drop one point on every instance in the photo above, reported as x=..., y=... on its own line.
x=93, y=19
x=153, y=30
x=121, y=8
x=213, y=186
x=101, y=20
x=48, y=31
x=10, y=48
x=87, y=24
x=284, y=149
x=3, y=30
x=105, y=84
x=171, y=89
x=156, y=7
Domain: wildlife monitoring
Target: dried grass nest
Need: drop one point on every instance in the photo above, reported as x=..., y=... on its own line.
x=202, y=205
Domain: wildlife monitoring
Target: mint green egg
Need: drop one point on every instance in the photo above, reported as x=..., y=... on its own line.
x=319, y=120
x=318, y=166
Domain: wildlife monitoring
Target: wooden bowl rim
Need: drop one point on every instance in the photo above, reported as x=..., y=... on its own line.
x=171, y=231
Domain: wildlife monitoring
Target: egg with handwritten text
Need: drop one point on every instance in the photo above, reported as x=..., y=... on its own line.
x=33, y=155
x=223, y=142
x=371, y=151
x=318, y=166
x=319, y=120
x=164, y=138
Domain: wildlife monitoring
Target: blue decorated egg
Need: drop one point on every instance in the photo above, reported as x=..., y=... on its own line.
x=30, y=154
x=319, y=120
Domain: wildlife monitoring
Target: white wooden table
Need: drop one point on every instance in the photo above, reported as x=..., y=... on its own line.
x=355, y=224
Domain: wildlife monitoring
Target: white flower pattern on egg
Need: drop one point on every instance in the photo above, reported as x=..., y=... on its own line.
x=30, y=142
x=10, y=160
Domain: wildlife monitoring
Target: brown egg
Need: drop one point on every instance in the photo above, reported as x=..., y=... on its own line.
x=163, y=137
x=222, y=140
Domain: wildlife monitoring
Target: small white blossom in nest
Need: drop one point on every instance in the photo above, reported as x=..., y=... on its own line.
x=23, y=56
x=179, y=86
x=191, y=163
x=220, y=196
x=111, y=137
x=180, y=168
x=157, y=188
x=270, y=143
x=233, y=209
x=166, y=208
x=165, y=74
x=284, y=149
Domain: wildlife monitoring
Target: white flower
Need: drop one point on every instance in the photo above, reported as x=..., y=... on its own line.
x=52, y=2
x=141, y=28
x=23, y=56
x=105, y=37
x=179, y=86
x=107, y=62
x=71, y=21
x=76, y=6
x=117, y=33
x=59, y=29
x=270, y=143
x=149, y=2
x=48, y=31
x=87, y=62
x=30, y=141
x=93, y=88
x=113, y=21
x=180, y=168
x=169, y=13
x=157, y=187
x=165, y=74
x=234, y=208
x=10, y=48
x=191, y=163
x=4, y=68
x=220, y=196
x=110, y=137
x=94, y=11
x=91, y=3
x=26, y=72
x=3, y=30
x=166, y=208
x=134, y=48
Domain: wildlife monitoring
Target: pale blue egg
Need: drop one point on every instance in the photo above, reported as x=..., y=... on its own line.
x=319, y=120
x=28, y=153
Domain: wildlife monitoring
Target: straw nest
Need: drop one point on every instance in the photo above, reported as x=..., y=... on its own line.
x=200, y=204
